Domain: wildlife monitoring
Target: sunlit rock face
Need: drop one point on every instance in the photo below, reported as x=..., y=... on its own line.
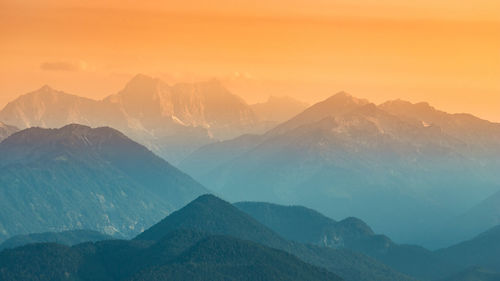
x=172, y=120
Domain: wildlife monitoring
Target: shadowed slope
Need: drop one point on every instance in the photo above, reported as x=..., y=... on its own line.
x=98, y=178
x=213, y=215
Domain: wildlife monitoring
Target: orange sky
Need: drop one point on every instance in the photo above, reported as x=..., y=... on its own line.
x=444, y=52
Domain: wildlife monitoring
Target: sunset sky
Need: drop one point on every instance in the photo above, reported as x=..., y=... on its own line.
x=444, y=52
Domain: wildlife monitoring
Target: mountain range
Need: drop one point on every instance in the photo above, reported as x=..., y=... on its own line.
x=180, y=255
x=349, y=157
x=79, y=177
x=215, y=216
x=305, y=225
x=482, y=216
x=211, y=239
x=171, y=120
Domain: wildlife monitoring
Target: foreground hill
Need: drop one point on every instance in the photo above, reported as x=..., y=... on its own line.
x=305, y=225
x=78, y=177
x=180, y=255
x=68, y=238
x=213, y=215
x=349, y=157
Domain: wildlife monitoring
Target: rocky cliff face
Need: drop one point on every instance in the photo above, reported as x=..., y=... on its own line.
x=171, y=120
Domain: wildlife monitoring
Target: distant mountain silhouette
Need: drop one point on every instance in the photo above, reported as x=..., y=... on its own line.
x=180, y=255
x=78, y=177
x=171, y=120
x=68, y=238
x=479, y=218
x=466, y=127
x=6, y=130
x=348, y=157
x=305, y=225
x=212, y=215
x=482, y=250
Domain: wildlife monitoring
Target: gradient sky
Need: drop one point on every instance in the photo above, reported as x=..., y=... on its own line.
x=444, y=52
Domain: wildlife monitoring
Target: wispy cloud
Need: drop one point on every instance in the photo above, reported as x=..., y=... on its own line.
x=63, y=66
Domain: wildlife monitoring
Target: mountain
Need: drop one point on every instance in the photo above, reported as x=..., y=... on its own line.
x=69, y=238
x=171, y=120
x=6, y=130
x=466, y=127
x=479, y=218
x=207, y=104
x=181, y=255
x=349, y=157
x=212, y=215
x=278, y=109
x=482, y=250
x=474, y=274
x=305, y=225
x=77, y=177
x=480, y=138
x=50, y=108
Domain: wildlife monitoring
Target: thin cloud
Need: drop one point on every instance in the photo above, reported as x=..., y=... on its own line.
x=63, y=66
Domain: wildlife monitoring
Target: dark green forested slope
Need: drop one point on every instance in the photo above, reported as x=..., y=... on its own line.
x=181, y=255
x=77, y=177
x=213, y=215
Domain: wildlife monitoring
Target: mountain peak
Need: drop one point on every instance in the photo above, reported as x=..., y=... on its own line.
x=46, y=91
x=346, y=98
x=208, y=199
x=212, y=215
x=356, y=225
x=75, y=128
x=46, y=88
x=400, y=105
x=343, y=94
x=336, y=105
x=141, y=77
x=142, y=83
x=72, y=135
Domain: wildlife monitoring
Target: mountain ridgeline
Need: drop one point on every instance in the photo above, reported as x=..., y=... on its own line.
x=348, y=157
x=171, y=120
x=180, y=255
x=210, y=239
x=305, y=225
x=77, y=177
x=218, y=217
x=172, y=251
